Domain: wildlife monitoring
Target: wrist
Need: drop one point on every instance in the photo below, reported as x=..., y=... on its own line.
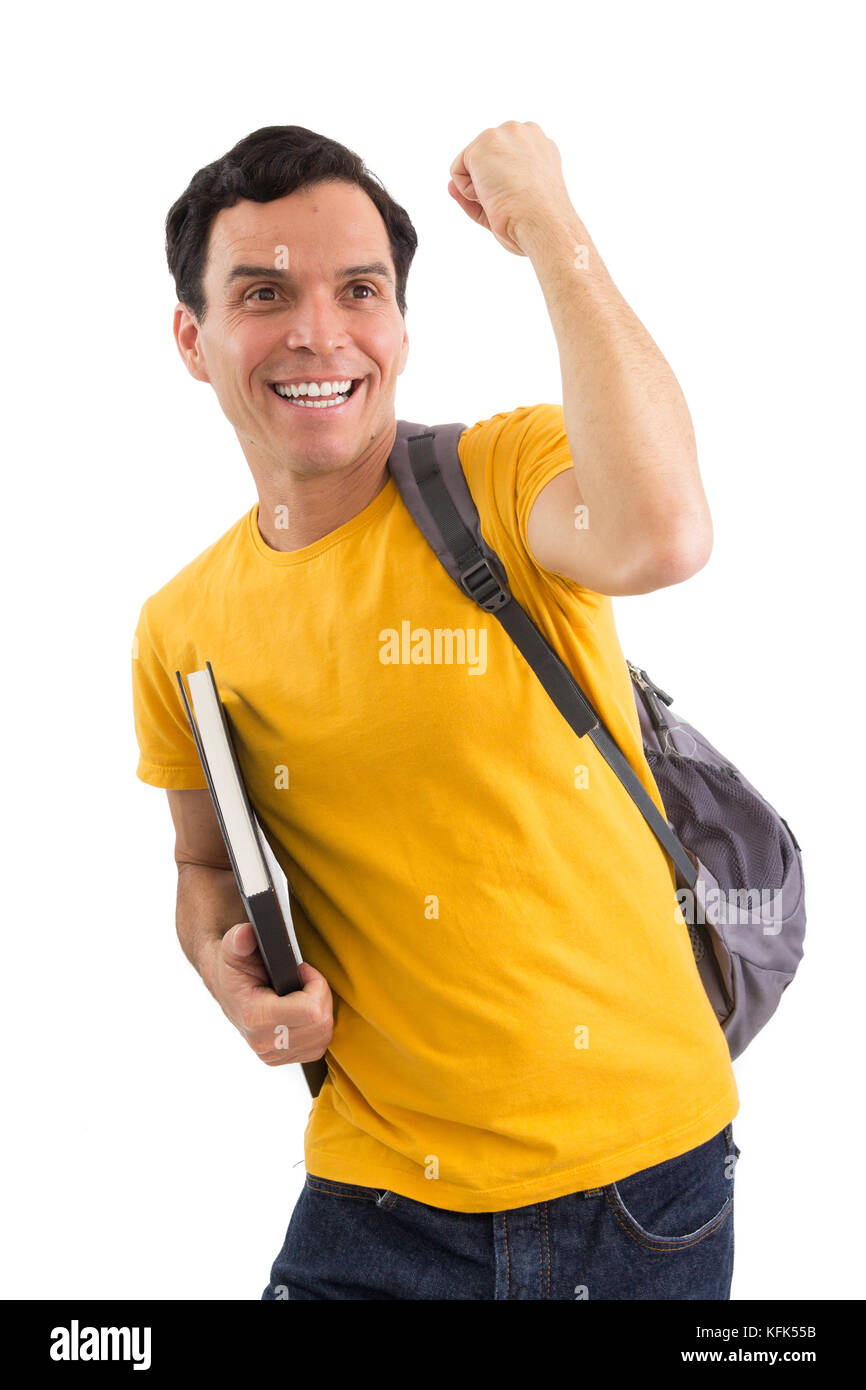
x=563, y=254
x=535, y=228
x=209, y=959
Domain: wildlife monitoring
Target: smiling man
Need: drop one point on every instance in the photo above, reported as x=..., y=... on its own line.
x=528, y=1095
x=311, y=400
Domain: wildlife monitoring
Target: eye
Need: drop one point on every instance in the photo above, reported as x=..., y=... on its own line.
x=269, y=289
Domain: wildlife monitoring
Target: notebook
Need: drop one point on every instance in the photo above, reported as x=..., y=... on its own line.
x=262, y=885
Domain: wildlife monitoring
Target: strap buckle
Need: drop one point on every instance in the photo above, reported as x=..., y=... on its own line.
x=482, y=586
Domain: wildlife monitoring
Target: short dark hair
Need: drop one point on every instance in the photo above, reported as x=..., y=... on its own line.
x=268, y=164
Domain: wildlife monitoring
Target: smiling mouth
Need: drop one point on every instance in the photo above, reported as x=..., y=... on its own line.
x=304, y=401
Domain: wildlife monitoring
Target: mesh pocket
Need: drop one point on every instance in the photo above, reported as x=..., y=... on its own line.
x=728, y=825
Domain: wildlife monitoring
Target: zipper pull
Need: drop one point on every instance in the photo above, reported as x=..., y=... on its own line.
x=668, y=699
x=650, y=692
x=639, y=676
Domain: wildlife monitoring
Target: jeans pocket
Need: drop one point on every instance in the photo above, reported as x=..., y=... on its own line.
x=329, y=1187
x=678, y=1203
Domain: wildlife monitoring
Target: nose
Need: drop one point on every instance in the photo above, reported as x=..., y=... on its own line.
x=317, y=324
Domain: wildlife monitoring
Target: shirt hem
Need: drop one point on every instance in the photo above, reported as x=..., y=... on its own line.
x=586, y=1176
x=171, y=778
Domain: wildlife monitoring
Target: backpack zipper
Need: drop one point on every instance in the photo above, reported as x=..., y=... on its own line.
x=651, y=696
x=645, y=683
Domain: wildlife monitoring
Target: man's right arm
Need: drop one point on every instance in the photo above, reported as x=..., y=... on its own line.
x=219, y=941
x=208, y=901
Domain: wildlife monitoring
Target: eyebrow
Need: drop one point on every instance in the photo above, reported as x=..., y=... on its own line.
x=248, y=272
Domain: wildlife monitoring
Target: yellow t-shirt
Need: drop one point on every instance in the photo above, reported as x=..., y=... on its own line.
x=517, y=1011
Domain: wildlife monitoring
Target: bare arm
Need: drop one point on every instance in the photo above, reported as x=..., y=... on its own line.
x=220, y=943
x=208, y=901
x=632, y=443
x=208, y=906
x=644, y=519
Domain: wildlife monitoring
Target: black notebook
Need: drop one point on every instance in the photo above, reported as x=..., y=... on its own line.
x=261, y=882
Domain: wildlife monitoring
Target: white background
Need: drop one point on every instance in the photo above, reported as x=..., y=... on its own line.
x=715, y=154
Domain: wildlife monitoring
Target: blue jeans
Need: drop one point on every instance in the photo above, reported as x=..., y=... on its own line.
x=666, y=1232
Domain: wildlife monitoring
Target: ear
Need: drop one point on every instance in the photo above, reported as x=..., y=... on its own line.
x=404, y=351
x=188, y=339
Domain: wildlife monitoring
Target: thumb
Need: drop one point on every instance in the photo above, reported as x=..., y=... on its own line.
x=241, y=939
x=240, y=952
x=308, y=973
x=472, y=208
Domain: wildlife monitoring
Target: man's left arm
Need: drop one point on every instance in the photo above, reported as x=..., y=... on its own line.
x=630, y=516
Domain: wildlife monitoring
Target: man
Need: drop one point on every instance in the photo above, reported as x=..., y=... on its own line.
x=528, y=1093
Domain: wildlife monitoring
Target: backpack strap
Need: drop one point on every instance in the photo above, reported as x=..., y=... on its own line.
x=426, y=467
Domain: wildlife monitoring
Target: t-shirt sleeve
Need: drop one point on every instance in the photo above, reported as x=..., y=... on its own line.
x=167, y=753
x=542, y=453
x=508, y=460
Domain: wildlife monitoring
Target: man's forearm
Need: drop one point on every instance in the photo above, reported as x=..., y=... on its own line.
x=208, y=904
x=627, y=421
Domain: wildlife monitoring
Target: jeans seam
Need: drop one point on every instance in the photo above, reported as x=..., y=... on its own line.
x=353, y=1196
x=544, y=1240
x=673, y=1243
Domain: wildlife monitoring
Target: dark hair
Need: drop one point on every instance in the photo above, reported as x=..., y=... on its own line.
x=268, y=164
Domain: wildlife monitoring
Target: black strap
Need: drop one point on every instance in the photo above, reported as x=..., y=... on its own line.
x=480, y=580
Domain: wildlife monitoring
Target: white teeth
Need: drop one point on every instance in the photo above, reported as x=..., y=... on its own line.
x=313, y=388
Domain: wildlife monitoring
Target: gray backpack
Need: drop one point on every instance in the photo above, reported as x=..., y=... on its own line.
x=740, y=881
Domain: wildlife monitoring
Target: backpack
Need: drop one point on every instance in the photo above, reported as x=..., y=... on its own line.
x=738, y=864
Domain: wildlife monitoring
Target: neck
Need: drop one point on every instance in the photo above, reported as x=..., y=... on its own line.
x=298, y=509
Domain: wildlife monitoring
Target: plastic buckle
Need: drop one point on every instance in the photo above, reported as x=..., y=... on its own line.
x=482, y=586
